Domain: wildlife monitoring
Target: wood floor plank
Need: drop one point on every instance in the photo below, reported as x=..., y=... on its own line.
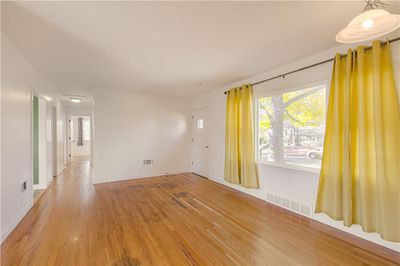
x=168, y=220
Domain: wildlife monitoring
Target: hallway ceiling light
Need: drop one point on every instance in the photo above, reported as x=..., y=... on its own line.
x=47, y=98
x=373, y=22
x=75, y=100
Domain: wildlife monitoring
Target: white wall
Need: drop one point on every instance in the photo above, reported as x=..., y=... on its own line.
x=18, y=79
x=49, y=143
x=78, y=109
x=295, y=185
x=42, y=130
x=54, y=140
x=61, y=119
x=130, y=127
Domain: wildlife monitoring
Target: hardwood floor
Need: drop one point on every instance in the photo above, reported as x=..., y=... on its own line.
x=176, y=220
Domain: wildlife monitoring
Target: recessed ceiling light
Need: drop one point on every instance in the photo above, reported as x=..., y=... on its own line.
x=370, y=24
x=75, y=100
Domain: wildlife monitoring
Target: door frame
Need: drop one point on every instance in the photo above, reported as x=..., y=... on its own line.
x=54, y=139
x=42, y=140
x=68, y=149
x=192, y=141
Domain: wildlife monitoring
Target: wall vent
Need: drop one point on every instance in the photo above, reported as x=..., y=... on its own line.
x=286, y=203
x=277, y=200
x=148, y=161
x=294, y=206
x=289, y=204
x=270, y=197
x=306, y=210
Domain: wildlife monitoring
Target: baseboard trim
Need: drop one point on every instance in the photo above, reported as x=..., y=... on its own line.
x=200, y=175
x=8, y=230
x=61, y=171
x=100, y=180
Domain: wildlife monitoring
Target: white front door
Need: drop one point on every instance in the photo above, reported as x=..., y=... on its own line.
x=200, y=142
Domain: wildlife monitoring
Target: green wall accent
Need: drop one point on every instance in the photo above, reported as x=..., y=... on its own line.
x=35, y=119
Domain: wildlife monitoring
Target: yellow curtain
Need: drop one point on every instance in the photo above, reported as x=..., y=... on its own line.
x=240, y=166
x=360, y=173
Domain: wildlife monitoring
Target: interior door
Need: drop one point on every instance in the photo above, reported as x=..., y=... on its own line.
x=200, y=142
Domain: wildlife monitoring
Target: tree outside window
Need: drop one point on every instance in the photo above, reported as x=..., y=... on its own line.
x=292, y=126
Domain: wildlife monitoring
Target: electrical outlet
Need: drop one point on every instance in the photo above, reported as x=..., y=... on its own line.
x=24, y=186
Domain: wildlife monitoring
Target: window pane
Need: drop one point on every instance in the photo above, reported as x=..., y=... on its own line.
x=200, y=123
x=292, y=127
x=264, y=129
x=86, y=129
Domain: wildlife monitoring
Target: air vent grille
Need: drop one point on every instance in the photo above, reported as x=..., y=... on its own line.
x=148, y=161
x=289, y=204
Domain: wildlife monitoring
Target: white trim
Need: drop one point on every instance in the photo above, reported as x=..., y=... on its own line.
x=306, y=169
x=124, y=177
x=17, y=219
x=39, y=186
x=60, y=172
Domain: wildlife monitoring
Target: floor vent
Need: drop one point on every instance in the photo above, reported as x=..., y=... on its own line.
x=294, y=206
x=306, y=210
x=289, y=204
x=277, y=200
x=286, y=203
x=270, y=197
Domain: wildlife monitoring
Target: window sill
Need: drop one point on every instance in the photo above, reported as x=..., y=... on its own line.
x=291, y=166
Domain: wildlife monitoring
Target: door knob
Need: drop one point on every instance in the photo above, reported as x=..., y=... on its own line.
x=206, y=147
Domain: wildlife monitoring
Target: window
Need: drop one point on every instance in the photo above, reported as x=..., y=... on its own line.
x=291, y=127
x=86, y=129
x=200, y=123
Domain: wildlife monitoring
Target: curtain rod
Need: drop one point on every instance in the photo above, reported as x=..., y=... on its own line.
x=306, y=67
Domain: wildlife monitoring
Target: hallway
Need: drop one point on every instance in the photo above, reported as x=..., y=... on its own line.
x=56, y=230
x=176, y=220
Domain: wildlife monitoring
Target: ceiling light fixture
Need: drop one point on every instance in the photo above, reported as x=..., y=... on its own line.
x=373, y=22
x=75, y=100
x=47, y=98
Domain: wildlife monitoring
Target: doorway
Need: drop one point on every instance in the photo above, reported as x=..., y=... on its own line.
x=79, y=136
x=200, y=142
x=41, y=144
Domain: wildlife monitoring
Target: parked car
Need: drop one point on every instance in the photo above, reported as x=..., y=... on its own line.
x=315, y=154
x=265, y=151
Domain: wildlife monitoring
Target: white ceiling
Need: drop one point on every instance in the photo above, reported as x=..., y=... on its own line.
x=172, y=48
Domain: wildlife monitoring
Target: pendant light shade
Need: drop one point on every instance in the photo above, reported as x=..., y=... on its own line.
x=368, y=25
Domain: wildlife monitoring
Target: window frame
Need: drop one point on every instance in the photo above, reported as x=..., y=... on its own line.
x=284, y=164
x=86, y=137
